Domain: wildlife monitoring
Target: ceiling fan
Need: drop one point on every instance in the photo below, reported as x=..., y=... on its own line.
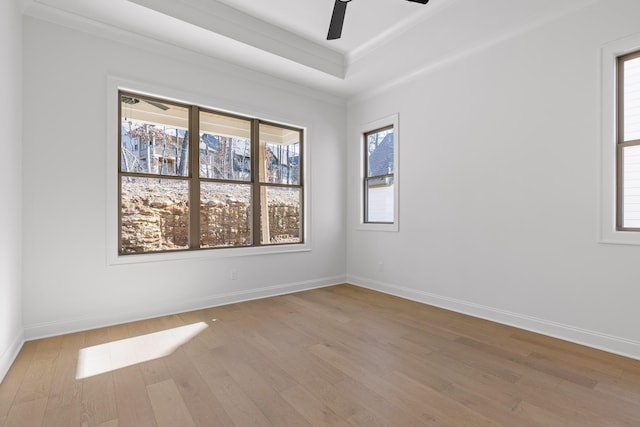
x=131, y=100
x=337, y=18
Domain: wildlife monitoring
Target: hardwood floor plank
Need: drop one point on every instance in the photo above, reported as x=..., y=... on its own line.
x=39, y=375
x=434, y=406
x=63, y=416
x=380, y=407
x=96, y=337
x=563, y=407
x=240, y=408
x=293, y=359
x=152, y=371
x=132, y=401
x=257, y=388
x=375, y=391
x=329, y=395
x=65, y=389
x=28, y=413
x=168, y=406
x=313, y=410
x=543, y=417
x=598, y=404
x=236, y=404
x=620, y=389
x=202, y=404
x=98, y=399
x=14, y=378
x=274, y=375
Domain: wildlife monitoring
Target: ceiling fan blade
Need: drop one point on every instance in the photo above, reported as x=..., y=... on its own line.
x=157, y=105
x=420, y=1
x=337, y=19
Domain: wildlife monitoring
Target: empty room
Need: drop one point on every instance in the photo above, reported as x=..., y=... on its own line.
x=320, y=212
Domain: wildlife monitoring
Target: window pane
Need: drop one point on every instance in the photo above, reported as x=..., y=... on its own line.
x=632, y=99
x=281, y=223
x=225, y=214
x=225, y=147
x=631, y=187
x=154, y=137
x=279, y=155
x=379, y=204
x=154, y=215
x=380, y=152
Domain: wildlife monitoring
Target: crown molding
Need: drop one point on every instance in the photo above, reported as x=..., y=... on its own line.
x=222, y=19
x=208, y=50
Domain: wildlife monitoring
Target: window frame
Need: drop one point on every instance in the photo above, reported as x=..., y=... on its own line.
x=391, y=121
x=610, y=169
x=621, y=143
x=225, y=107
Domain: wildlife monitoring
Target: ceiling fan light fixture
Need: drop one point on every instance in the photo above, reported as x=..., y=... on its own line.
x=129, y=100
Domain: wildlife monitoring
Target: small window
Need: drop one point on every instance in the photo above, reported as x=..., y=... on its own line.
x=628, y=143
x=378, y=181
x=379, y=177
x=192, y=178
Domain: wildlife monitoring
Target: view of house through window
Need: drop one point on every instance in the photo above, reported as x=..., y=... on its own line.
x=379, y=176
x=239, y=184
x=628, y=205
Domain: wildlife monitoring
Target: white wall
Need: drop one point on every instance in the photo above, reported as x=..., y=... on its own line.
x=499, y=152
x=68, y=284
x=11, y=335
x=498, y=185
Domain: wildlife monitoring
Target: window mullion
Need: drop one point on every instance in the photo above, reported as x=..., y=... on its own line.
x=255, y=180
x=194, y=178
x=119, y=173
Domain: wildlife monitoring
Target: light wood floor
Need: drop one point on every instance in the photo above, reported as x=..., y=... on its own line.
x=335, y=356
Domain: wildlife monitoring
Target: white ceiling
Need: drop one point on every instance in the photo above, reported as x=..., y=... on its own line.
x=365, y=20
x=383, y=41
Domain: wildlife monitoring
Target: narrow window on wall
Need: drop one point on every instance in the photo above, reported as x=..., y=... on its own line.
x=191, y=178
x=628, y=146
x=379, y=176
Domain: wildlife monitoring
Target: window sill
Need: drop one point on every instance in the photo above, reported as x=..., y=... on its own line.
x=115, y=259
x=378, y=227
x=620, y=238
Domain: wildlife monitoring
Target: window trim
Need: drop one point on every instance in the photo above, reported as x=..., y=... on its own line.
x=621, y=143
x=383, y=123
x=609, y=167
x=116, y=84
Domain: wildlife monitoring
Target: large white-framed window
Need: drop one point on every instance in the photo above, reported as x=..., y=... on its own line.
x=236, y=176
x=379, y=177
x=620, y=142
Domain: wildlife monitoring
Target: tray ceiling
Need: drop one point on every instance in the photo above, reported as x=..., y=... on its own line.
x=383, y=41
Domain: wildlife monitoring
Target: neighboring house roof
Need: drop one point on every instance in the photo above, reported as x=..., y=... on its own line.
x=382, y=157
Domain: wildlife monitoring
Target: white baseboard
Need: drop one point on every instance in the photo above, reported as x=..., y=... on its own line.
x=612, y=344
x=9, y=356
x=48, y=329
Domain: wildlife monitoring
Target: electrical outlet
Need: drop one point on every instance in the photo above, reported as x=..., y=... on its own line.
x=381, y=267
x=234, y=274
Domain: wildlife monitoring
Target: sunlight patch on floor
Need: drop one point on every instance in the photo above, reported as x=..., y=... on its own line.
x=110, y=356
